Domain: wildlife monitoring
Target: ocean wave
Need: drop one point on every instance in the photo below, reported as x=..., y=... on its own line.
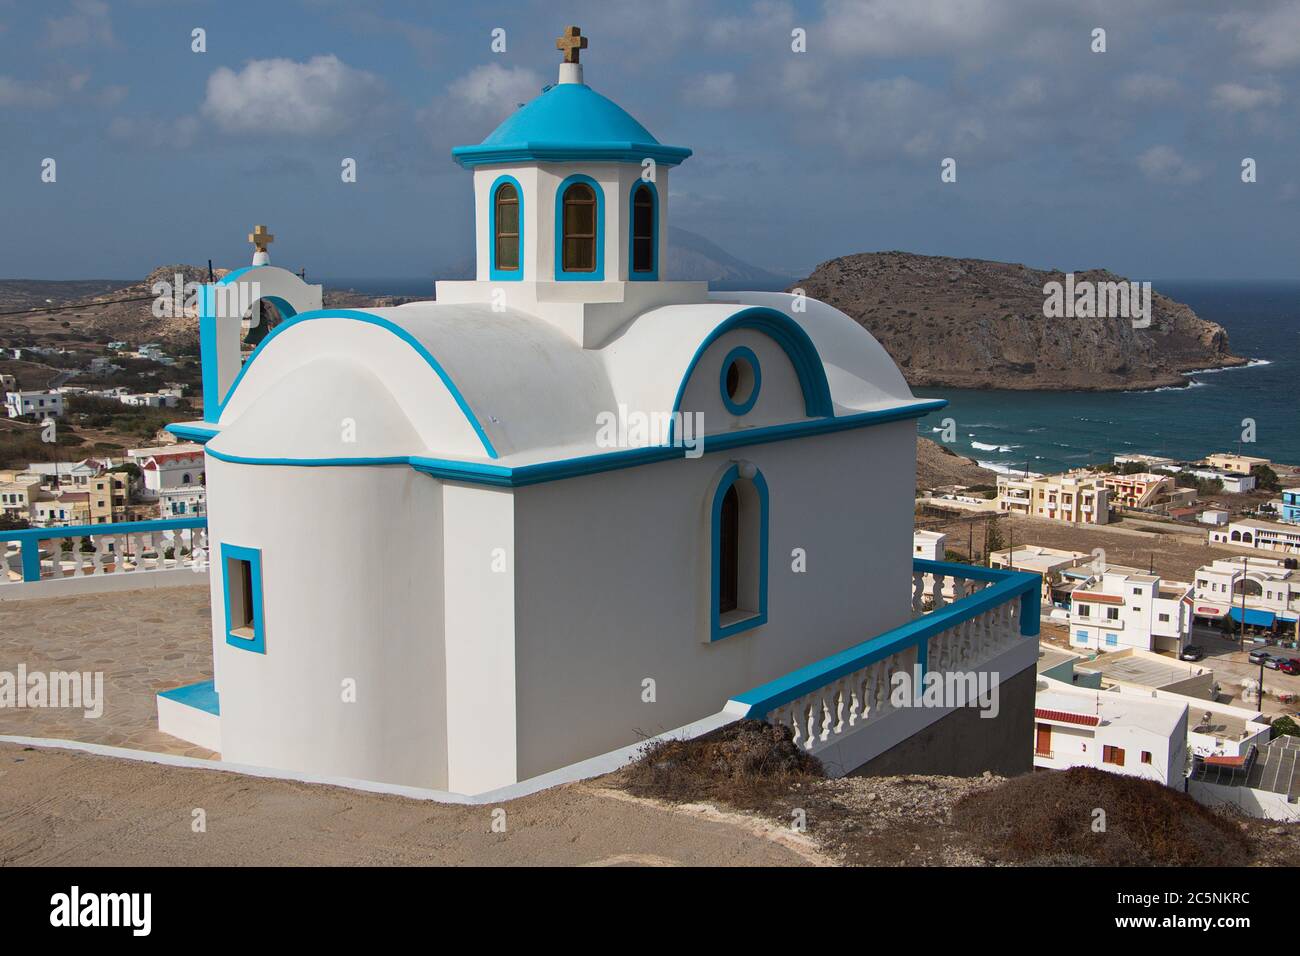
x=981, y=446
x=1002, y=469
x=1253, y=363
x=1167, y=388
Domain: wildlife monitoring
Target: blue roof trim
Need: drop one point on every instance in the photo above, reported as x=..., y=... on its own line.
x=392, y=327
x=798, y=347
x=191, y=432
x=569, y=152
x=522, y=475
x=201, y=696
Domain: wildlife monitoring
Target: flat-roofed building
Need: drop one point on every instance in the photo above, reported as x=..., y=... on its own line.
x=1127, y=608
x=1076, y=497
x=1241, y=464
x=1260, y=535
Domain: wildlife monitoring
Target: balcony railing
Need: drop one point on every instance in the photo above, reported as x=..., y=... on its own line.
x=965, y=616
x=100, y=550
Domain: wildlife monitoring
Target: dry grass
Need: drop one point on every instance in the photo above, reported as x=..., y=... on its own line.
x=749, y=764
x=1048, y=817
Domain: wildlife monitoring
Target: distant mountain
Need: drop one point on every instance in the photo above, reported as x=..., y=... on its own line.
x=691, y=256
x=974, y=323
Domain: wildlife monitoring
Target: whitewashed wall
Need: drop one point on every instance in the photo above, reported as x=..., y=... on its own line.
x=352, y=566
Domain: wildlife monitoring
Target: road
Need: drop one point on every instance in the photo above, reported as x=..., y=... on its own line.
x=1230, y=665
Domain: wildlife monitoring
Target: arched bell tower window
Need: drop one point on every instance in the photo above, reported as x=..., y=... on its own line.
x=507, y=229
x=738, y=539
x=580, y=229
x=643, y=256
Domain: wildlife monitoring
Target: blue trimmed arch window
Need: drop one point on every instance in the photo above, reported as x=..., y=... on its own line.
x=507, y=201
x=738, y=530
x=643, y=232
x=580, y=230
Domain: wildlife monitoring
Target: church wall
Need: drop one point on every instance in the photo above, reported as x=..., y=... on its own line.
x=479, y=562
x=613, y=585
x=352, y=591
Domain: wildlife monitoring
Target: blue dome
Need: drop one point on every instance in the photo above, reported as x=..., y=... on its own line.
x=570, y=122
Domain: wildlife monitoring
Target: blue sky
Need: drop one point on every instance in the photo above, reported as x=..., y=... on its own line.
x=1128, y=159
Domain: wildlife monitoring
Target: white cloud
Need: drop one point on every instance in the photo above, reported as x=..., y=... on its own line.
x=1148, y=88
x=154, y=134
x=25, y=95
x=711, y=90
x=1165, y=164
x=911, y=27
x=322, y=96
x=1241, y=98
x=87, y=24
x=1271, y=38
x=495, y=90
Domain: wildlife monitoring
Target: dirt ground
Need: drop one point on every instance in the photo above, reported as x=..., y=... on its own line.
x=67, y=808
x=1175, y=554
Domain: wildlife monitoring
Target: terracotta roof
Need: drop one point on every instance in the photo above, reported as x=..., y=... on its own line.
x=1088, y=720
x=1099, y=597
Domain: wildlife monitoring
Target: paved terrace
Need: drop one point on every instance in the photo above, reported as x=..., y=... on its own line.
x=143, y=642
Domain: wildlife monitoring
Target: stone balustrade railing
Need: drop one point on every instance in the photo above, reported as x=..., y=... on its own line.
x=125, y=548
x=965, y=616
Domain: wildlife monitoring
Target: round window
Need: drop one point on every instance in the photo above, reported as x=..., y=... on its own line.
x=741, y=380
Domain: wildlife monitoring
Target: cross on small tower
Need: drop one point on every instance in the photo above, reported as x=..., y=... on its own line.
x=260, y=238
x=571, y=43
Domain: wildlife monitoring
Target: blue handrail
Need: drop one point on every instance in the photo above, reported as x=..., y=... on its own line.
x=30, y=538
x=1007, y=586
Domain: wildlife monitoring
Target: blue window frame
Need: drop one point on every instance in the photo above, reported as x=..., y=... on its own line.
x=1081, y=636
x=502, y=236
x=739, y=549
x=740, y=380
x=643, y=232
x=1112, y=640
x=579, y=232
x=241, y=577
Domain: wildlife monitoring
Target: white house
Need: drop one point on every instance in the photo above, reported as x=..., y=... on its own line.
x=169, y=466
x=1260, y=535
x=40, y=403
x=929, y=545
x=1263, y=590
x=180, y=501
x=1123, y=607
x=1119, y=733
x=457, y=544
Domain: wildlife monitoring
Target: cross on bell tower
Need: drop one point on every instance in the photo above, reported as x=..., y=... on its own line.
x=260, y=239
x=571, y=43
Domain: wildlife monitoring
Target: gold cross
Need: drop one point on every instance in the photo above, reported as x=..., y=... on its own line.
x=571, y=43
x=260, y=238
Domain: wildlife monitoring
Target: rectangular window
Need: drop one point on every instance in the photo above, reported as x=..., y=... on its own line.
x=242, y=578
x=1146, y=756
x=1084, y=610
x=1112, y=614
x=1164, y=618
x=1112, y=640
x=1113, y=755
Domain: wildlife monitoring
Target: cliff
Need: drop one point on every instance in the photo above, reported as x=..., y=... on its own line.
x=972, y=323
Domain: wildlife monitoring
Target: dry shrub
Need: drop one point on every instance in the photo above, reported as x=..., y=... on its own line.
x=745, y=764
x=1047, y=817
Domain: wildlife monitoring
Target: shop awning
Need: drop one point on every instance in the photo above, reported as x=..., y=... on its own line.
x=1253, y=617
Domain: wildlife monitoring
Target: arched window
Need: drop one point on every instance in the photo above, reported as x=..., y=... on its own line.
x=738, y=532
x=644, y=233
x=579, y=229
x=507, y=229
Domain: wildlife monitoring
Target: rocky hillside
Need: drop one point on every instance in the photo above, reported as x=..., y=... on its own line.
x=937, y=466
x=972, y=323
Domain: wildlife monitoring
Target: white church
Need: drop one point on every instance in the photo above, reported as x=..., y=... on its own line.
x=570, y=503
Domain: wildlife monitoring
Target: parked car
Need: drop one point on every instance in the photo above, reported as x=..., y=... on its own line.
x=1273, y=663
x=1289, y=665
x=1192, y=652
x=1260, y=657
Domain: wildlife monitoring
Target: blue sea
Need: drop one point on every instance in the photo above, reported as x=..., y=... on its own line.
x=1051, y=431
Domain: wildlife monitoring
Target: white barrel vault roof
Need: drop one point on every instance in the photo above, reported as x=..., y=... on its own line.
x=462, y=382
